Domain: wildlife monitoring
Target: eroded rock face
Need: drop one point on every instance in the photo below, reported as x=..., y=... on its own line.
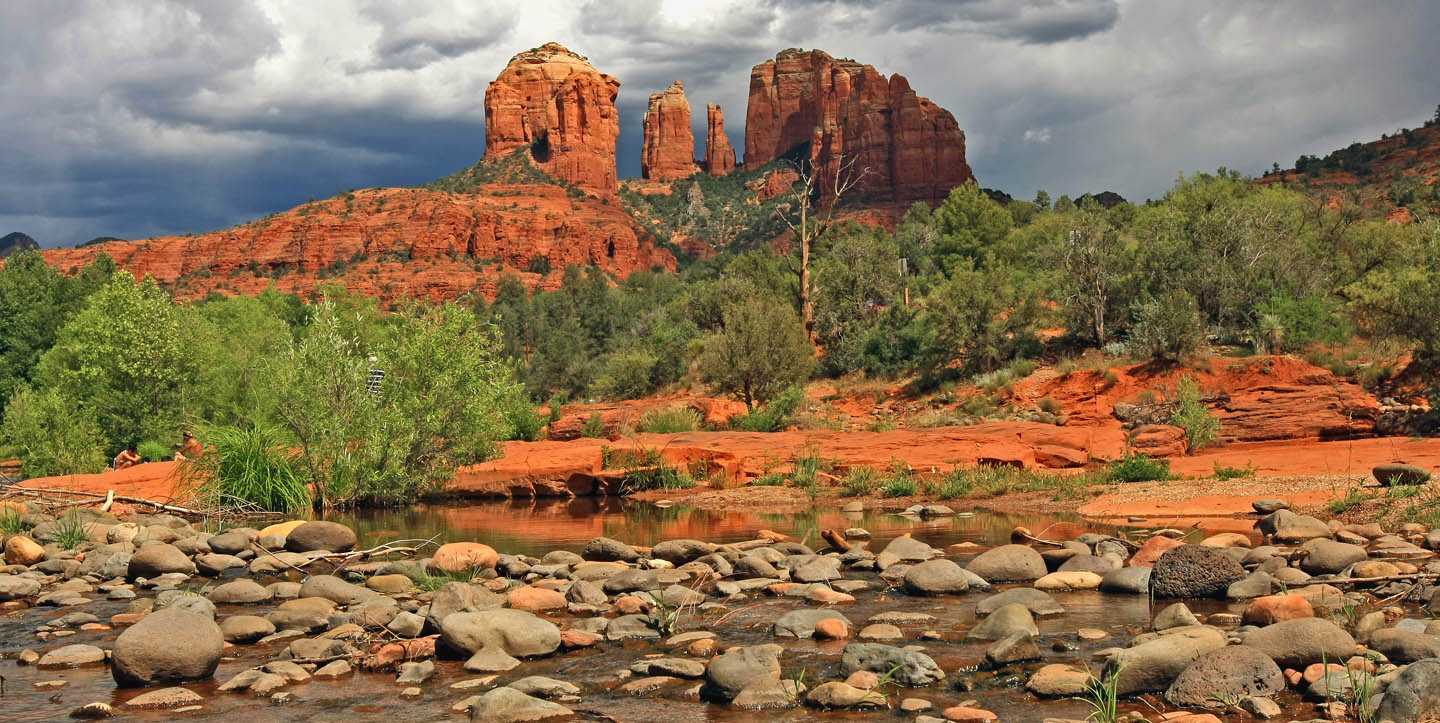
x=719, y=155
x=914, y=149
x=557, y=104
x=669, y=151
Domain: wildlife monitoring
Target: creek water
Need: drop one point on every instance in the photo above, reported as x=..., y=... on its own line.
x=534, y=528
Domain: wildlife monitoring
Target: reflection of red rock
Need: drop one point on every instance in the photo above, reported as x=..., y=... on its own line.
x=669, y=150
x=393, y=242
x=555, y=102
x=914, y=149
x=719, y=155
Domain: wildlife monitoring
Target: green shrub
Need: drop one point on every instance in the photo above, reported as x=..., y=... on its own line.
x=669, y=421
x=860, y=481
x=594, y=426
x=523, y=421
x=251, y=465
x=1138, y=468
x=1167, y=328
x=12, y=522
x=1286, y=324
x=898, y=487
x=774, y=416
x=1190, y=413
x=153, y=451
x=1228, y=473
x=774, y=479
x=1048, y=405
x=52, y=435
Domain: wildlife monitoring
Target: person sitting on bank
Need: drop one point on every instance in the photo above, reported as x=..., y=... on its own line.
x=128, y=457
x=190, y=448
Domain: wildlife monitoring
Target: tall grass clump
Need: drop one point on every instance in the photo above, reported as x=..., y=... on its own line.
x=12, y=522
x=251, y=464
x=669, y=421
x=152, y=451
x=69, y=531
x=859, y=482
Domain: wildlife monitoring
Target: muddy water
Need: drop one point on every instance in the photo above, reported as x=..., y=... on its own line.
x=533, y=529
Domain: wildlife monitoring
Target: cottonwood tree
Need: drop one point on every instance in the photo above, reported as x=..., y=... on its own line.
x=810, y=213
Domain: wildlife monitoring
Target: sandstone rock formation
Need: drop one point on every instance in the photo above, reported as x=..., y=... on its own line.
x=555, y=103
x=719, y=155
x=669, y=151
x=912, y=148
x=394, y=242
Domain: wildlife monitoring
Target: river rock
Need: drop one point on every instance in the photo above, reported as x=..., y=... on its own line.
x=679, y=552
x=240, y=592
x=737, y=668
x=1005, y=620
x=1089, y=563
x=1414, y=694
x=21, y=550
x=834, y=695
x=534, y=599
x=1298, y=643
x=335, y=590
x=245, y=628
x=1268, y=505
x=320, y=535
x=1229, y=673
x=164, y=698
x=936, y=577
x=801, y=623
x=1391, y=474
x=1271, y=609
x=1152, y=549
x=1286, y=526
x=1174, y=616
x=1404, y=646
x=230, y=543
x=72, y=656
x=14, y=587
x=631, y=581
x=460, y=597
x=1153, y=665
x=1327, y=557
x=1013, y=648
x=906, y=549
x=911, y=668
x=1058, y=680
x=495, y=638
x=167, y=646
x=1037, y=601
x=158, y=559
x=1068, y=580
x=1009, y=563
x=1194, y=571
x=456, y=558
x=507, y=705
x=817, y=569
x=604, y=549
x=1127, y=580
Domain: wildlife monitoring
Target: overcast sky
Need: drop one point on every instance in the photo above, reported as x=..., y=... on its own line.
x=143, y=117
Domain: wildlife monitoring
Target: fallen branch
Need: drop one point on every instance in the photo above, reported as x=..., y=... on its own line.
x=42, y=492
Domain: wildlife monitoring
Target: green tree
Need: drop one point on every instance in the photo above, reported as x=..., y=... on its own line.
x=1094, y=266
x=981, y=318
x=51, y=434
x=970, y=223
x=1167, y=328
x=443, y=403
x=232, y=341
x=124, y=361
x=857, y=277
x=35, y=301
x=760, y=350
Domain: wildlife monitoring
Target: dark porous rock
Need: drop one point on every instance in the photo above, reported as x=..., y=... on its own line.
x=1194, y=571
x=320, y=535
x=910, y=668
x=1301, y=642
x=1414, y=694
x=1230, y=673
x=1399, y=473
x=1009, y=563
x=167, y=646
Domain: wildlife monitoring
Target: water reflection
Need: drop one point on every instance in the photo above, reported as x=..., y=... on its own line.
x=533, y=527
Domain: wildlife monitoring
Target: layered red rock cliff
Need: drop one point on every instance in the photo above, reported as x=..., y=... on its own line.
x=555, y=103
x=395, y=242
x=719, y=155
x=909, y=148
x=669, y=151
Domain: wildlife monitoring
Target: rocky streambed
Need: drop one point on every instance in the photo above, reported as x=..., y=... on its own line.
x=153, y=616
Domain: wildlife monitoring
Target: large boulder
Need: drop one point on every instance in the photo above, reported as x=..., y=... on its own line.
x=604, y=549
x=1194, y=571
x=495, y=638
x=1414, y=694
x=507, y=705
x=1404, y=646
x=1286, y=526
x=1009, y=563
x=936, y=577
x=1154, y=664
x=320, y=535
x=1327, y=557
x=21, y=550
x=1231, y=673
x=907, y=667
x=167, y=646
x=1007, y=619
x=460, y=597
x=679, y=552
x=730, y=673
x=1390, y=474
x=1298, y=643
x=158, y=559
x=462, y=557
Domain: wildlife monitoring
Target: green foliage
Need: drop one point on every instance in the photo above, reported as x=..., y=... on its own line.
x=252, y=465
x=1102, y=694
x=1229, y=473
x=1138, y=468
x=669, y=421
x=760, y=350
x=516, y=167
x=594, y=426
x=445, y=399
x=12, y=522
x=1190, y=414
x=645, y=469
x=521, y=420
x=857, y=277
x=69, y=531
x=52, y=435
x=1286, y=324
x=1402, y=303
x=775, y=415
x=153, y=451
x=35, y=301
x=970, y=224
x=1353, y=498
x=860, y=481
x=897, y=486
x=1168, y=328
x=984, y=319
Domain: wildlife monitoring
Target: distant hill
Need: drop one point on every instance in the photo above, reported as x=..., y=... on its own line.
x=99, y=240
x=15, y=242
x=1396, y=174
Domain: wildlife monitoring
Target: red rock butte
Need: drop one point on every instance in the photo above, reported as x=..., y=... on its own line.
x=912, y=149
x=555, y=103
x=669, y=151
x=719, y=155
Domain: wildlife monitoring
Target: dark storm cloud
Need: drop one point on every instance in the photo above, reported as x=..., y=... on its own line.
x=141, y=117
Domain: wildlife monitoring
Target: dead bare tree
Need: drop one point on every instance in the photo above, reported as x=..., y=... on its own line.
x=809, y=214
